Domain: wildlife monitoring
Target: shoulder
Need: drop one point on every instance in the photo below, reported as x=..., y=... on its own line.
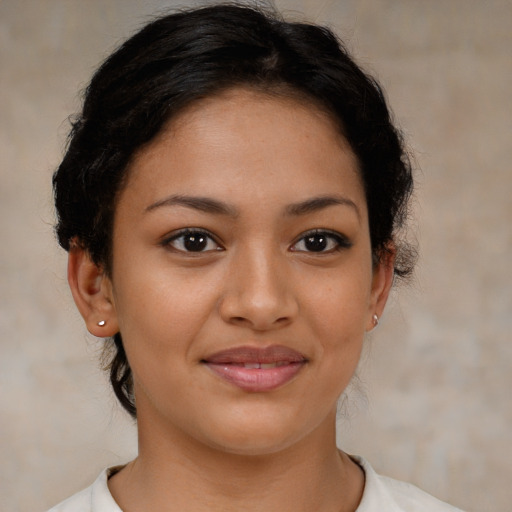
x=80, y=502
x=96, y=498
x=385, y=494
x=410, y=498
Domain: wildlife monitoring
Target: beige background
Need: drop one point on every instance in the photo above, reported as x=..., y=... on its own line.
x=437, y=375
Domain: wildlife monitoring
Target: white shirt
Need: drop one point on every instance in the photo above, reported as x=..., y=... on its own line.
x=381, y=494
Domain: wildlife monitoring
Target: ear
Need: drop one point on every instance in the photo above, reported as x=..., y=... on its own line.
x=92, y=291
x=382, y=281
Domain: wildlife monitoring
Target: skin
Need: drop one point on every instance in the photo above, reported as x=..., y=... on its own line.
x=205, y=444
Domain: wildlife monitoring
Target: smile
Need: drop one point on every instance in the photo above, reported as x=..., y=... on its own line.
x=254, y=369
x=264, y=366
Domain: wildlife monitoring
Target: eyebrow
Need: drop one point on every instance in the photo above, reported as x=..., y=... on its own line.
x=212, y=206
x=203, y=204
x=319, y=203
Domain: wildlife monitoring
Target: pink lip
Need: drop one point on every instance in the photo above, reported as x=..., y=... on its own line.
x=280, y=365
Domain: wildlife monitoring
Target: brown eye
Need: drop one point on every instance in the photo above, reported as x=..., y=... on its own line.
x=195, y=243
x=321, y=242
x=316, y=243
x=192, y=241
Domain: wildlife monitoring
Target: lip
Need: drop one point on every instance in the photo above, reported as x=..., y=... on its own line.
x=256, y=369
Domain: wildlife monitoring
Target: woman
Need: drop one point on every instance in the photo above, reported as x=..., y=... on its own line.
x=231, y=199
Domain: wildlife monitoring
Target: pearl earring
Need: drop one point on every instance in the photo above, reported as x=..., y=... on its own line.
x=375, y=320
x=101, y=323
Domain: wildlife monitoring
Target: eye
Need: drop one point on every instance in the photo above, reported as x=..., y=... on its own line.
x=321, y=241
x=192, y=240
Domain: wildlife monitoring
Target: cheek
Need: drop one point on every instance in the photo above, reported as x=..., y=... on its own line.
x=338, y=303
x=161, y=311
x=337, y=317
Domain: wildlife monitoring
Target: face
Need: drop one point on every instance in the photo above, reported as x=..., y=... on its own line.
x=242, y=279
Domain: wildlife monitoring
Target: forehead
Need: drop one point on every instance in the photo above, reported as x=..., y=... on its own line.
x=238, y=104
x=243, y=137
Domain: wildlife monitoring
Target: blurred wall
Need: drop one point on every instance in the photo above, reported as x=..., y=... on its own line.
x=436, y=372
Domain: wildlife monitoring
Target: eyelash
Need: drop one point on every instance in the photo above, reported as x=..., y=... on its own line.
x=182, y=233
x=337, y=241
x=340, y=242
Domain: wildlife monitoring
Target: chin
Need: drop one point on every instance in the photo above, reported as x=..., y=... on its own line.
x=258, y=435
x=258, y=445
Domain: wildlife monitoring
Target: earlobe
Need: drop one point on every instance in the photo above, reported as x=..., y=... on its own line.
x=382, y=282
x=92, y=292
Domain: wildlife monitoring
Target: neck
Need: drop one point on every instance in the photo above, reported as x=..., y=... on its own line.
x=174, y=472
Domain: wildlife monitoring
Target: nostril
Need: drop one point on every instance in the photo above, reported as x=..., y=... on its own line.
x=261, y=325
x=248, y=308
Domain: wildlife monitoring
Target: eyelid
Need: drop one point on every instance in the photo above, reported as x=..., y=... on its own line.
x=174, y=235
x=342, y=241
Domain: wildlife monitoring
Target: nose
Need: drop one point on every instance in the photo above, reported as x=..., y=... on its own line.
x=258, y=293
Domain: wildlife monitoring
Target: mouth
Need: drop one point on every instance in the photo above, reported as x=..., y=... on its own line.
x=255, y=369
